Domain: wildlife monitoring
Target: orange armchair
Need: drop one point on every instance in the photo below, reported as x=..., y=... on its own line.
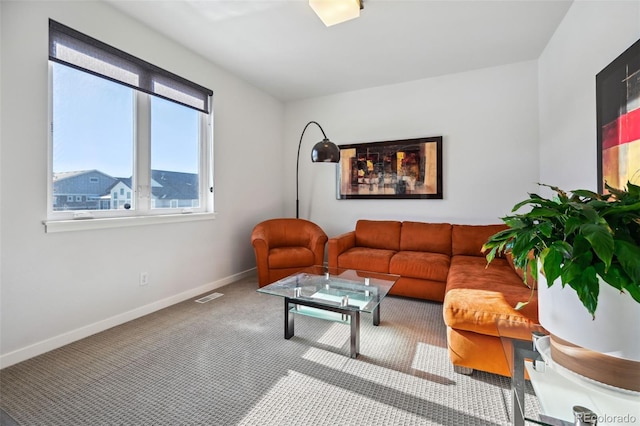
x=285, y=246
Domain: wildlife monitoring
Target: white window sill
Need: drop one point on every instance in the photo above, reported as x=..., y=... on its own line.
x=121, y=222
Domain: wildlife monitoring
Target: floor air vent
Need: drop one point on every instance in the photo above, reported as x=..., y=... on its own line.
x=209, y=297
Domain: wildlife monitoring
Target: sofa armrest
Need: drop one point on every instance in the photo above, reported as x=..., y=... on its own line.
x=317, y=242
x=340, y=244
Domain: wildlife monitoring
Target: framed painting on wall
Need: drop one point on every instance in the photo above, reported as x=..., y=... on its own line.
x=618, y=118
x=401, y=169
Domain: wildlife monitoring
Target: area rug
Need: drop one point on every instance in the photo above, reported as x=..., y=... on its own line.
x=226, y=362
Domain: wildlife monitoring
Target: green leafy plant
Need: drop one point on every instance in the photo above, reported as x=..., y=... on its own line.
x=579, y=237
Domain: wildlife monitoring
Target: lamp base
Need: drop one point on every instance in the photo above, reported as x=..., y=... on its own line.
x=610, y=370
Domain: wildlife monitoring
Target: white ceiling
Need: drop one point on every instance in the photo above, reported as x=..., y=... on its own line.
x=284, y=48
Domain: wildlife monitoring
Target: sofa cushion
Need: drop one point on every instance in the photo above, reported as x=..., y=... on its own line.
x=415, y=264
x=290, y=257
x=418, y=288
x=426, y=237
x=366, y=259
x=477, y=296
x=378, y=234
x=468, y=239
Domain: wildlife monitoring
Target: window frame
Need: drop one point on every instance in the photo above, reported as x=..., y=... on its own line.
x=141, y=189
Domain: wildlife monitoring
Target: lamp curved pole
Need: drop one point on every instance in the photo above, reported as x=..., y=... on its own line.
x=298, y=161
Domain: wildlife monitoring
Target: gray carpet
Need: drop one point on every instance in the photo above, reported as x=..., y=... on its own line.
x=226, y=362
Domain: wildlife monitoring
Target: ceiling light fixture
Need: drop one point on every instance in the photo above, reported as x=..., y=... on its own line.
x=333, y=12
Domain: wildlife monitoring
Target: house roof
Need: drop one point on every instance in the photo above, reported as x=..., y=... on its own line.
x=58, y=176
x=175, y=185
x=92, y=183
x=165, y=184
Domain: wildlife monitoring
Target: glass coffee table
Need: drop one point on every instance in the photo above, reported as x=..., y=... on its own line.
x=333, y=294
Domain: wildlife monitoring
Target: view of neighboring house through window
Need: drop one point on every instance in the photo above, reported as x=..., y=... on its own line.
x=125, y=139
x=93, y=138
x=178, y=188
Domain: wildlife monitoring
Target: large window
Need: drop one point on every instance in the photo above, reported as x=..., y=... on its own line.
x=127, y=138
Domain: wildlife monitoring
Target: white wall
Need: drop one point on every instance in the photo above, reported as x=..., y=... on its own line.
x=495, y=122
x=592, y=34
x=488, y=119
x=59, y=287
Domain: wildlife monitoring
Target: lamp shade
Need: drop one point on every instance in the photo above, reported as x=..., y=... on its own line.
x=325, y=151
x=333, y=12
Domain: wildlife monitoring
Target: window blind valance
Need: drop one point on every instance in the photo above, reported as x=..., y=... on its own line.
x=72, y=48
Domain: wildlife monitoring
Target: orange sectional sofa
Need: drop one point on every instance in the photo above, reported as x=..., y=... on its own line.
x=443, y=262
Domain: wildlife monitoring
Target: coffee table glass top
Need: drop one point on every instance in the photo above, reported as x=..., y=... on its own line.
x=338, y=287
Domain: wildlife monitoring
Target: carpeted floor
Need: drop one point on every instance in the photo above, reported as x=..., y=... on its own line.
x=225, y=362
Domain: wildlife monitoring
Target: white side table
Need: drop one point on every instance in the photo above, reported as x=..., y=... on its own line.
x=558, y=390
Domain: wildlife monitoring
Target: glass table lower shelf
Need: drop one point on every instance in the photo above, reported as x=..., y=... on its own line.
x=333, y=294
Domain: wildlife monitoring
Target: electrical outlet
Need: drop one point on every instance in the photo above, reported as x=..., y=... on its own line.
x=144, y=278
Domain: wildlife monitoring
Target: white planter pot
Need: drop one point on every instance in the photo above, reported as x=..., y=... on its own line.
x=607, y=348
x=615, y=331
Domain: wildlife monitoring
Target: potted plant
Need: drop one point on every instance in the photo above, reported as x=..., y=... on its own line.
x=589, y=242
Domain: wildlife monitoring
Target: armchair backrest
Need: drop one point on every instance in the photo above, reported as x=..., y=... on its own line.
x=289, y=232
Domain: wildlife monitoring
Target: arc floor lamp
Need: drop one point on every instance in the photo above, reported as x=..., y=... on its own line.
x=324, y=151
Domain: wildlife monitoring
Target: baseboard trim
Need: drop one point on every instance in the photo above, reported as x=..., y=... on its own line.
x=52, y=343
